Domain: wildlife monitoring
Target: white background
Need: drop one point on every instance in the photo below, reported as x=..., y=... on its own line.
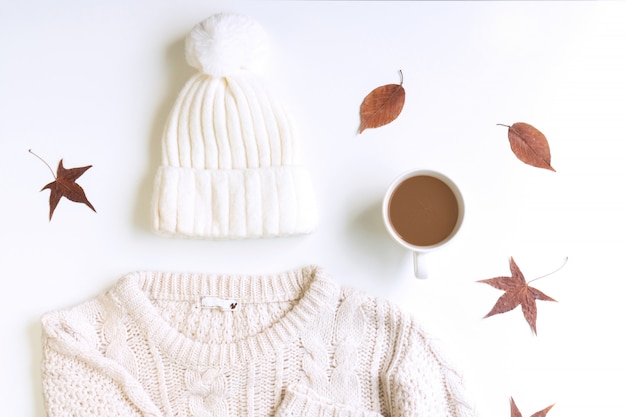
x=92, y=83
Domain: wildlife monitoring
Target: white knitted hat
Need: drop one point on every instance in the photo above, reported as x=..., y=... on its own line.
x=231, y=167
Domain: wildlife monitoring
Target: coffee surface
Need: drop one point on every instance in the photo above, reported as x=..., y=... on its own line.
x=423, y=210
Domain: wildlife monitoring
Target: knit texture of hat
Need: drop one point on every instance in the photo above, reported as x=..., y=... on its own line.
x=231, y=165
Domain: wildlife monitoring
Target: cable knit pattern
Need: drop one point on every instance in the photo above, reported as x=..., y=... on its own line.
x=297, y=344
x=315, y=363
x=348, y=335
x=208, y=393
x=316, y=360
x=115, y=335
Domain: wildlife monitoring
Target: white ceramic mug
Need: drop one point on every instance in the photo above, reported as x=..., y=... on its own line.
x=437, y=206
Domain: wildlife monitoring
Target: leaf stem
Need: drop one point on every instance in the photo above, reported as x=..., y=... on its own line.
x=401, y=77
x=500, y=124
x=41, y=159
x=556, y=270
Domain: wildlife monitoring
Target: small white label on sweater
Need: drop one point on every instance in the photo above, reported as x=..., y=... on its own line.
x=208, y=301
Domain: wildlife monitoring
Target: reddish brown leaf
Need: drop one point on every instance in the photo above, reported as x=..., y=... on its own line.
x=517, y=292
x=65, y=185
x=530, y=145
x=516, y=413
x=382, y=106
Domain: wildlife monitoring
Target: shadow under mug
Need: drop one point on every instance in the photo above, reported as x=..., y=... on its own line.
x=416, y=202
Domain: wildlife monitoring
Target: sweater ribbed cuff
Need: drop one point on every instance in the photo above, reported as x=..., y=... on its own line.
x=301, y=401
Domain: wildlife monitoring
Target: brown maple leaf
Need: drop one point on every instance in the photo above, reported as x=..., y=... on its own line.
x=517, y=292
x=516, y=413
x=64, y=185
x=529, y=145
x=382, y=105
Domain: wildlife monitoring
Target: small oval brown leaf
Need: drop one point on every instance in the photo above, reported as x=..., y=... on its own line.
x=382, y=106
x=530, y=145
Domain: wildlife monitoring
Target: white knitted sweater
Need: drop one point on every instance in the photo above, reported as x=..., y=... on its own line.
x=290, y=344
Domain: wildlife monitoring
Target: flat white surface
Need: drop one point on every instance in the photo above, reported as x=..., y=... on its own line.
x=92, y=83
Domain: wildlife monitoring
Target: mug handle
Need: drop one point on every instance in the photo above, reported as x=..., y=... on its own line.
x=420, y=266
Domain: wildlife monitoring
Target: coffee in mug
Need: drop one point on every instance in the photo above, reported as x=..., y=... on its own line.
x=423, y=210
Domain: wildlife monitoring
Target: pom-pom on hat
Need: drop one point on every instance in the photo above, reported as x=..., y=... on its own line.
x=231, y=167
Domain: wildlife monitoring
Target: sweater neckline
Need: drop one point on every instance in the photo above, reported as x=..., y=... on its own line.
x=310, y=287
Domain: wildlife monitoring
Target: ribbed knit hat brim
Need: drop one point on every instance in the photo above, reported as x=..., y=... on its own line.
x=234, y=203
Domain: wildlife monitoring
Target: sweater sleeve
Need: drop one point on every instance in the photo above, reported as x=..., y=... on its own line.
x=72, y=388
x=79, y=381
x=421, y=382
x=301, y=401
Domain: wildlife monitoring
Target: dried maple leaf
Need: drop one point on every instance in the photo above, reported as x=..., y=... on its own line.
x=64, y=185
x=517, y=292
x=382, y=105
x=516, y=413
x=529, y=145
